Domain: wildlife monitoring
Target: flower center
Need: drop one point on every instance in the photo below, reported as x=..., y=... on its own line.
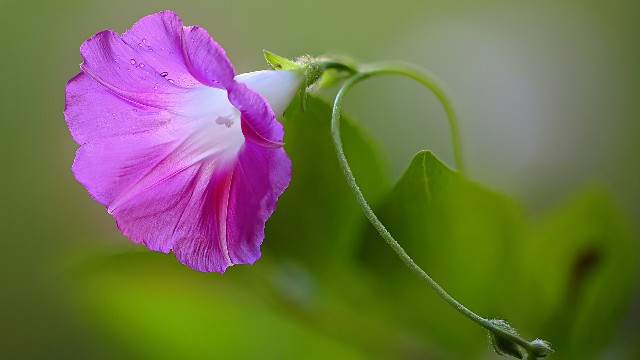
x=216, y=130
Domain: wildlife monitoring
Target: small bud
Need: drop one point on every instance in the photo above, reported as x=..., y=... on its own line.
x=541, y=348
x=500, y=344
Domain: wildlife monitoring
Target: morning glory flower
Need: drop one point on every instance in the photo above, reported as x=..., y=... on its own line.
x=183, y=153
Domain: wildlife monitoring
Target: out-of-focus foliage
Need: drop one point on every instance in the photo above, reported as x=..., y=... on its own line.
x=566, y=279
x=580, y=264
x=328, y=286
x=327, y=217
x=151, y=308
x=464, y=236
x=547, y=96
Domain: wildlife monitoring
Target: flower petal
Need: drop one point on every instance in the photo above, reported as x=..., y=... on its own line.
x=152, y=60
x=260, y=177
x=146, y=165
x=228, y=218
x=207, y=60
x=142, y=163
x=259, y=123
x=196, y=54
x=183, y=207
x=92, y=111
x=155, y=217
x=120, y=140
x=182, y=155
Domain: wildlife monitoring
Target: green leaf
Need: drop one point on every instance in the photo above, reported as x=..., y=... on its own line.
x=320, y=284
x=566, y=279
x=317, y=220
x=147, y=306
x=462, y=235
x=302, y=289
x=581, y=264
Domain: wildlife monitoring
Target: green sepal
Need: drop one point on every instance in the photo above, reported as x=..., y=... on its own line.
x=279, y=62
x=502, y=345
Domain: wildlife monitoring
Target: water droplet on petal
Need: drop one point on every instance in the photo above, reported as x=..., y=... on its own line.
x=164, y=74
x=141, y=65
x=132, y=61
x=155, y=87
x=171, y=81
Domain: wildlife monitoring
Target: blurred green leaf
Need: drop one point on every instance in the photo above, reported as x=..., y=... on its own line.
x=152, y=308
x=462, y=235
x=301, y=289
x=566, y=279
x=580, y=264
x=317, y=220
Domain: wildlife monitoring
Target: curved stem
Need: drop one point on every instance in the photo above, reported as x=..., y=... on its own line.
x=431, y=82
x=414, y=73
x=330, y=64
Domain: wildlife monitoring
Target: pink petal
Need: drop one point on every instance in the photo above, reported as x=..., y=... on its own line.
x=143, y=111
x=212, y=215
x=121, y=140
x=207, y=60
x=260, y=177
x=183, y=52
x=154, y=59
x=259, y=123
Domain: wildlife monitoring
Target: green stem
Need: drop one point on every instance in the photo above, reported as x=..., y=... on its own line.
x=331, y=64
x=432, y=84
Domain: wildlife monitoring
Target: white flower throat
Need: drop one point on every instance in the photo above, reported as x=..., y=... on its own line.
x=216, y=129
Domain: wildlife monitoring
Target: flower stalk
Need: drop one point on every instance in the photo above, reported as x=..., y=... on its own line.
x=504, y=338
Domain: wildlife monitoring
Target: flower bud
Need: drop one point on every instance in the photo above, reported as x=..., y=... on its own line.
x=541, y=348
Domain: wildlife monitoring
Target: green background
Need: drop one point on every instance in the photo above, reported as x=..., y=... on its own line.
x=547, y=97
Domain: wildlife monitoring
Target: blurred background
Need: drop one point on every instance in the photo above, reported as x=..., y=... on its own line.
x=547, y=98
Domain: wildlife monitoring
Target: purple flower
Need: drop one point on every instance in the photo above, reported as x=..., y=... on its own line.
x=184, y=154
